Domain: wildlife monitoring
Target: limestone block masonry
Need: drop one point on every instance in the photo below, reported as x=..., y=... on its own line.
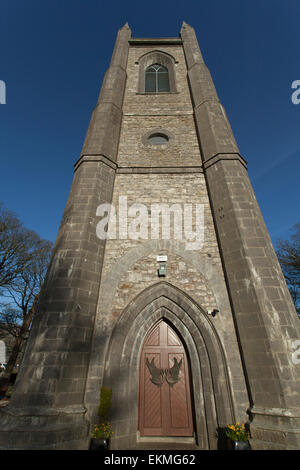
x=103, y=296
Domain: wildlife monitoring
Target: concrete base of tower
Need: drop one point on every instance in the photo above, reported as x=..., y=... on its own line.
x=42, y=429
x=275, y=429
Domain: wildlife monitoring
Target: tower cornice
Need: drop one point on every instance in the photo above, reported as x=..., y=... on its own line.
x=154, y=41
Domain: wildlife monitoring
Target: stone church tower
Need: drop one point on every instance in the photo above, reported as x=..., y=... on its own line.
x=191, y=323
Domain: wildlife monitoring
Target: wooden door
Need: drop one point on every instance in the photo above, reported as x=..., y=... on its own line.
x=164, y=394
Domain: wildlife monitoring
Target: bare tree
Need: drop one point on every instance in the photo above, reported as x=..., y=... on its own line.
x=288, y=252
x=24, y=259
x=17, y=247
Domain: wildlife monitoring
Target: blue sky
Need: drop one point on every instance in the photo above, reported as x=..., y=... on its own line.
x=53, y=58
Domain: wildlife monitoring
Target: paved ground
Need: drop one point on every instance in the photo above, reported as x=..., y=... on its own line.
x=165, y=446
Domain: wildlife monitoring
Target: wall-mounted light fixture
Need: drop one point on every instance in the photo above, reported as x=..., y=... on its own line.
x=213, y=313
x=162, y=265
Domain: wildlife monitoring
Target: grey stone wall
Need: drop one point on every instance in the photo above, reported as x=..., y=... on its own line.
x=264, y=314
x=101, y=297
x=168, y=174
x=47, y=407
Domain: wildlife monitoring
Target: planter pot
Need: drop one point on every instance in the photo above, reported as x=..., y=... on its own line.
x=99, y=444
x=240, y=445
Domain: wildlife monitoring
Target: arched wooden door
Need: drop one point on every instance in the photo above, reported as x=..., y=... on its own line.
x=164, y=393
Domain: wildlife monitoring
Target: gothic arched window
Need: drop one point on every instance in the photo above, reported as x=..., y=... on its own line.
x=157, y=79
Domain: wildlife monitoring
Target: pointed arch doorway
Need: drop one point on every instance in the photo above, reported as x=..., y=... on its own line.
x=165, y=405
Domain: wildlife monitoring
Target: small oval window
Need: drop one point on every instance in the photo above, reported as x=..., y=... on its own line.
x=158, y=139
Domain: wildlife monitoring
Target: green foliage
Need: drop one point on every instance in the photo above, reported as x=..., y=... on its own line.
x=9, y=391
x=105, y=404
x=237, y=432
x=102, y=431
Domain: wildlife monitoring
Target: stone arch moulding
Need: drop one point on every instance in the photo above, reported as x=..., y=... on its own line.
x=213, y=404
x=199, y=261
x=159, y=57
x=157, y=51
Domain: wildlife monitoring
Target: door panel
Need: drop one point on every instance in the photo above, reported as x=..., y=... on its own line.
x=164, y=395
x=179, y=410
x=152, y=398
